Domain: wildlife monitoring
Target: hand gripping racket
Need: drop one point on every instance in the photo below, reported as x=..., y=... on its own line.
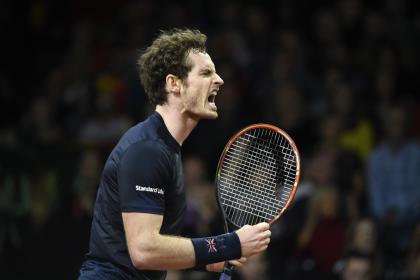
x=256, y=178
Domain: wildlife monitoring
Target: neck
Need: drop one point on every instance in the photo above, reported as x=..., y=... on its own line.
x=179, y=125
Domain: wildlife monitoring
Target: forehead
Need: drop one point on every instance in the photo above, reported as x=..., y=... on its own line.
x=200, y=60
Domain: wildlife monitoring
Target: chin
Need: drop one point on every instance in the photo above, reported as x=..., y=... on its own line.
x=204, y=115
x=209, y=116
x=212, y=115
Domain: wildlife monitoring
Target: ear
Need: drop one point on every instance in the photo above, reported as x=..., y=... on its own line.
x=172, y=84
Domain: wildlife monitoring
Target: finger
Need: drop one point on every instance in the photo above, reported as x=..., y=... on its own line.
x=266, y=241
x=263, y=226
x=243, y=259
x=215, y=267
x=236, y=263
x=266, y=234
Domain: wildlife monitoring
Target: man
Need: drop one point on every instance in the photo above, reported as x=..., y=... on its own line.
x=141, y=199
x=393, y=183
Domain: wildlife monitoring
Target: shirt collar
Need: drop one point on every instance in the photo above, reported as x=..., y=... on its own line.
x=164, y=132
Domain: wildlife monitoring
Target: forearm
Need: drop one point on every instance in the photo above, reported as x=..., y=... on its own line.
x=154, y=251
x=170, y=252
x=163, y=252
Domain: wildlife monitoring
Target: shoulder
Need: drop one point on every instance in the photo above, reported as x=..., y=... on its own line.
x=145, y=162
x=151, y=150
x=141, y=138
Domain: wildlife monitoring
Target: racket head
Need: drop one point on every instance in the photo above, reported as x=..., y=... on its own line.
x=257, y=175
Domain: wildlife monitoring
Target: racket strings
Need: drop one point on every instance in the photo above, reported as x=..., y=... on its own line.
x=254, y=163
x=252, y=200
x=290, y=164
x=256, y=166
x=257, y=177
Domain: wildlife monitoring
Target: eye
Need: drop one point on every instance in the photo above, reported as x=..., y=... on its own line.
x=206, y=72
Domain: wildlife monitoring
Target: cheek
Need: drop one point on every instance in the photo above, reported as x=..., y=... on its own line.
x=197, y=96
x=191, y=99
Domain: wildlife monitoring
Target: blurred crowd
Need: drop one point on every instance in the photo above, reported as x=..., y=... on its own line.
x=341, y=77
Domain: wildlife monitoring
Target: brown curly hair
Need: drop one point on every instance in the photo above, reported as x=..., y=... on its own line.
x=168, y=55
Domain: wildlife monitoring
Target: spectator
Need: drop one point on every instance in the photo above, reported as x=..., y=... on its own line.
x=335, y=165
x=393, y=183
x=105, y=127
x=356, y=131
x=322, y=237
x=357, y=266
x=362, y=239
x=201, y=217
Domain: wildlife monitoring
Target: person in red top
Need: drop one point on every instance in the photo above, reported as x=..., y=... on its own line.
x=323, y=235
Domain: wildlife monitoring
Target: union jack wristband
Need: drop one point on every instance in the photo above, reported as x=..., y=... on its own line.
x=218, y=248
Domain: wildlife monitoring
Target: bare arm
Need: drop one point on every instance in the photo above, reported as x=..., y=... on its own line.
x=151, y=250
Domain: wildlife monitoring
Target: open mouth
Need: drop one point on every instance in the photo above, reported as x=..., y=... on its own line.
x=212, y=98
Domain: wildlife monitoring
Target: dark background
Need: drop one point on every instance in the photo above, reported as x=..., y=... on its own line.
x=341, y=77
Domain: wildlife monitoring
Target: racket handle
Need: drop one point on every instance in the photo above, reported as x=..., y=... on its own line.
x=227, y=273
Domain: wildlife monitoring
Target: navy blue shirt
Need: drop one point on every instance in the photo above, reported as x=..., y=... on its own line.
x=142, y=174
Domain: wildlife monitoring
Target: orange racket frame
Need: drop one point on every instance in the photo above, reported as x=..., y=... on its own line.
x=294, y=149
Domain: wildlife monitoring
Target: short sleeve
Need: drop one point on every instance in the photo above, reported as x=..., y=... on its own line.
x=143, y=174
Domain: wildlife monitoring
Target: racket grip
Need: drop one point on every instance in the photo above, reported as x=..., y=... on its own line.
x=227, y=273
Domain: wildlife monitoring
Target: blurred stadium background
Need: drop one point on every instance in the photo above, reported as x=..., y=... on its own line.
x=341, y=77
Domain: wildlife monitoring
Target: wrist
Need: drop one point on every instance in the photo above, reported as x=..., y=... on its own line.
x=215, y=249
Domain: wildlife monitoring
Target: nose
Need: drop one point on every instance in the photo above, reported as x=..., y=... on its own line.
x=219, y=81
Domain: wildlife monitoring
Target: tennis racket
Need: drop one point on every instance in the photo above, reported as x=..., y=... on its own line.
x=256, y=178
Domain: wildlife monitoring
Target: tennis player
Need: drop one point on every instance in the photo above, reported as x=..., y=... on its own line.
x=141, y=198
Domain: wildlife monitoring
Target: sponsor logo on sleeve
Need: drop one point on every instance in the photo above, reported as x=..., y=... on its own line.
x=150, y=189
